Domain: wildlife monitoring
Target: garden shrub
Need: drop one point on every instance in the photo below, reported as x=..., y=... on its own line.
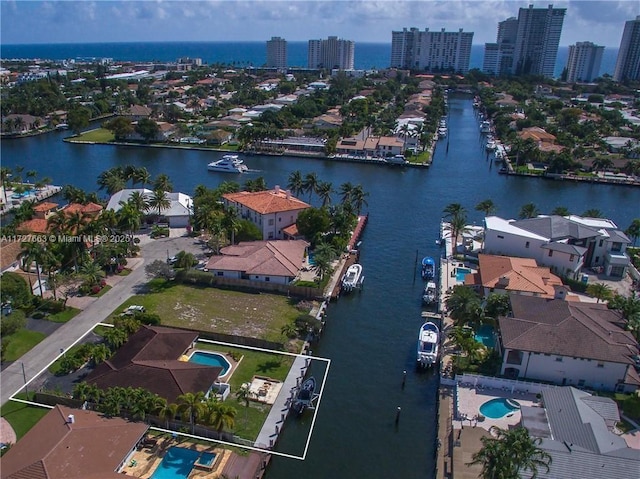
x=13, y=322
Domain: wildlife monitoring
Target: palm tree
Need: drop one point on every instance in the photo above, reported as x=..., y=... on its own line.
x=561, y=211
x=454, y=209
x=600, y=291
x=168, y=412
x=463, y=304
x=33, y=252
x=115, y=337
x=487, y=207
x=310, y=184
x=244, y=394
x=141, y=175
x=162, y=182
x=528, y=210
x=358, y=198
x=185, y=260
x=510, y=453
x=220, y=415
x=128, y=219
x=324, y=192
x=139, y=201
x=230, y=223
x=112, y=181
x=5, y=174
x=190, y=405
x=346, y=192
x=633, y=231
x=159, y=200
x=322, y=266
x=457, y=225
x=295, y=183
x=593, y=213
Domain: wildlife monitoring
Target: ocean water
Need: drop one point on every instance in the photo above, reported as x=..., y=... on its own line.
x=367, y=55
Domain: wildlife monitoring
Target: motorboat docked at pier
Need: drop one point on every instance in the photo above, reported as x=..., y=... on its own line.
x=396, y=160
x=491, y=144
x=430, y=293
x=428, y=345
x=229, y=164
x=304, y=398
x=485, y=126
x=428, y=269
x=353, y=278
x=442, y=132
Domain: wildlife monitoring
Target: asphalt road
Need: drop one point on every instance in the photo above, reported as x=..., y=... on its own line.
x=12, y=379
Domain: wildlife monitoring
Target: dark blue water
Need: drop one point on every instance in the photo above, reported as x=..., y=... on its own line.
x=367, y=55
x=371, y=335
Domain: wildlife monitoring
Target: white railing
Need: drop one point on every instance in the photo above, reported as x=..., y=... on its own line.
x=477, y=380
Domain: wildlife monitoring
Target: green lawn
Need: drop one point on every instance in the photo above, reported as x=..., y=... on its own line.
x=249, y=420
x=63, y=316
x=100, y=135
x=256, y=315
x=20, y=342
x=21, y=416
x=101, y=292
x=422, y=157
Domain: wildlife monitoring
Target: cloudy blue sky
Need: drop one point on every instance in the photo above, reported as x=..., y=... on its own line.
x=61, y=21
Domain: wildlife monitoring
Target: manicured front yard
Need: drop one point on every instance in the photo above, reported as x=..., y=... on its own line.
x=99, y=135
x=20, y=342
x=256, y=315
x=22, y=417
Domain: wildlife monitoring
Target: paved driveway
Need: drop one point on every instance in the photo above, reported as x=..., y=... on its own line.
x=47, y=351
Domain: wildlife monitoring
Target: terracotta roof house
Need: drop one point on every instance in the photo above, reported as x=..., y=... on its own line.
x=73, y=444
x=9, y=255
x=505, y=274
x=45, y=209
x=568, y=343
x=137, y=112
x=270, y=210
x=90, y=209
x=268, y=261
x=350, y=146
x=545, y=141
x=150, y=359
x=577, y=431
x=34, y=225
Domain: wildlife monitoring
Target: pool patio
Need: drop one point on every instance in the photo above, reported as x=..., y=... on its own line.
x=470, y=398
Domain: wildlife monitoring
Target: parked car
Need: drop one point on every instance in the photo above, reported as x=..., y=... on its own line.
x=133, y=309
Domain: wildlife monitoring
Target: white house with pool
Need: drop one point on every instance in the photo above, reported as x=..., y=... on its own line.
x=568, y=343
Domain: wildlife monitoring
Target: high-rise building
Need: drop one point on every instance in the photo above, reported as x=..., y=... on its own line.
x=498, y=57
x=584, y=61
x=527, y=45
x=332, y=53
x=628, y=63
x=431, y=51
x=277, y=53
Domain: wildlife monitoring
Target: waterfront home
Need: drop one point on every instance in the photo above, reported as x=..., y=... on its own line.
x=544, y=141
x=565, y=244
x=277, y=261
x=351, y=147
x=72, y=443
x=45, y=209
x=568, y=343
x=505, y=274
x=137, y=112
x=630, y=147
x=177, y=214
x=271, y=210
x=150, y=359
x=578, y=431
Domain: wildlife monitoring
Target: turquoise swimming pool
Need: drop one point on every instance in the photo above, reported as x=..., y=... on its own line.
x=499, y=407
x=211, y=359
x=461, y=273
x=177, y=463
x=485, y=336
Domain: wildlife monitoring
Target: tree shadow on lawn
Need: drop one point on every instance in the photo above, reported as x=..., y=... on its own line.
x=269, y=365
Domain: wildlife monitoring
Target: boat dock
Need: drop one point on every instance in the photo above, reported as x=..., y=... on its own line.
x=15, y=200
x=332, y=291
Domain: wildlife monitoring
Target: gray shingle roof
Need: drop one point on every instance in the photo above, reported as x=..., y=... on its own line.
x=556, y=228
x=565, y=248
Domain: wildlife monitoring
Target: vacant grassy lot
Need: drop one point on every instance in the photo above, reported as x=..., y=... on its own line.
x=97, y=135
x=256, y=315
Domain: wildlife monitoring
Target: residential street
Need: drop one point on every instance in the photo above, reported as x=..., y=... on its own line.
x=47, y=351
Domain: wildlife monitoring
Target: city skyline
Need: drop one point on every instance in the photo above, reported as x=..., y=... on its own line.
x=367, y=21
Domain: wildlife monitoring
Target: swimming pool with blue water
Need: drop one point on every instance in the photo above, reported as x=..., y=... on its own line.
x=461, y=273
x=499, y=407
x=211, y=359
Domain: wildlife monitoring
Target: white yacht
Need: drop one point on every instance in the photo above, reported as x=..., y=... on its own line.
x=229, y=164
x=352, y=278
x=442, y=132
x=428, y=345
x=430, y=292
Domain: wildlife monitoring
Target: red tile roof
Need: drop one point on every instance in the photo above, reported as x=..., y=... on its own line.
x=266, y=202
x=263, y=258
x=93, y=446
x=35, y=225
x=44, y=207
x=88, y=209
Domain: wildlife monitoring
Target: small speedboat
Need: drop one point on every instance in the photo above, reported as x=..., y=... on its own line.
x=430, y=293
x=442, y=132
x=305, y=396
x=228, y=164
x=428, y=345
x=352, y=278
x=428, y=270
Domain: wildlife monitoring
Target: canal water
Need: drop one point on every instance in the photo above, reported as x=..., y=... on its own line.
x=371, y=335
